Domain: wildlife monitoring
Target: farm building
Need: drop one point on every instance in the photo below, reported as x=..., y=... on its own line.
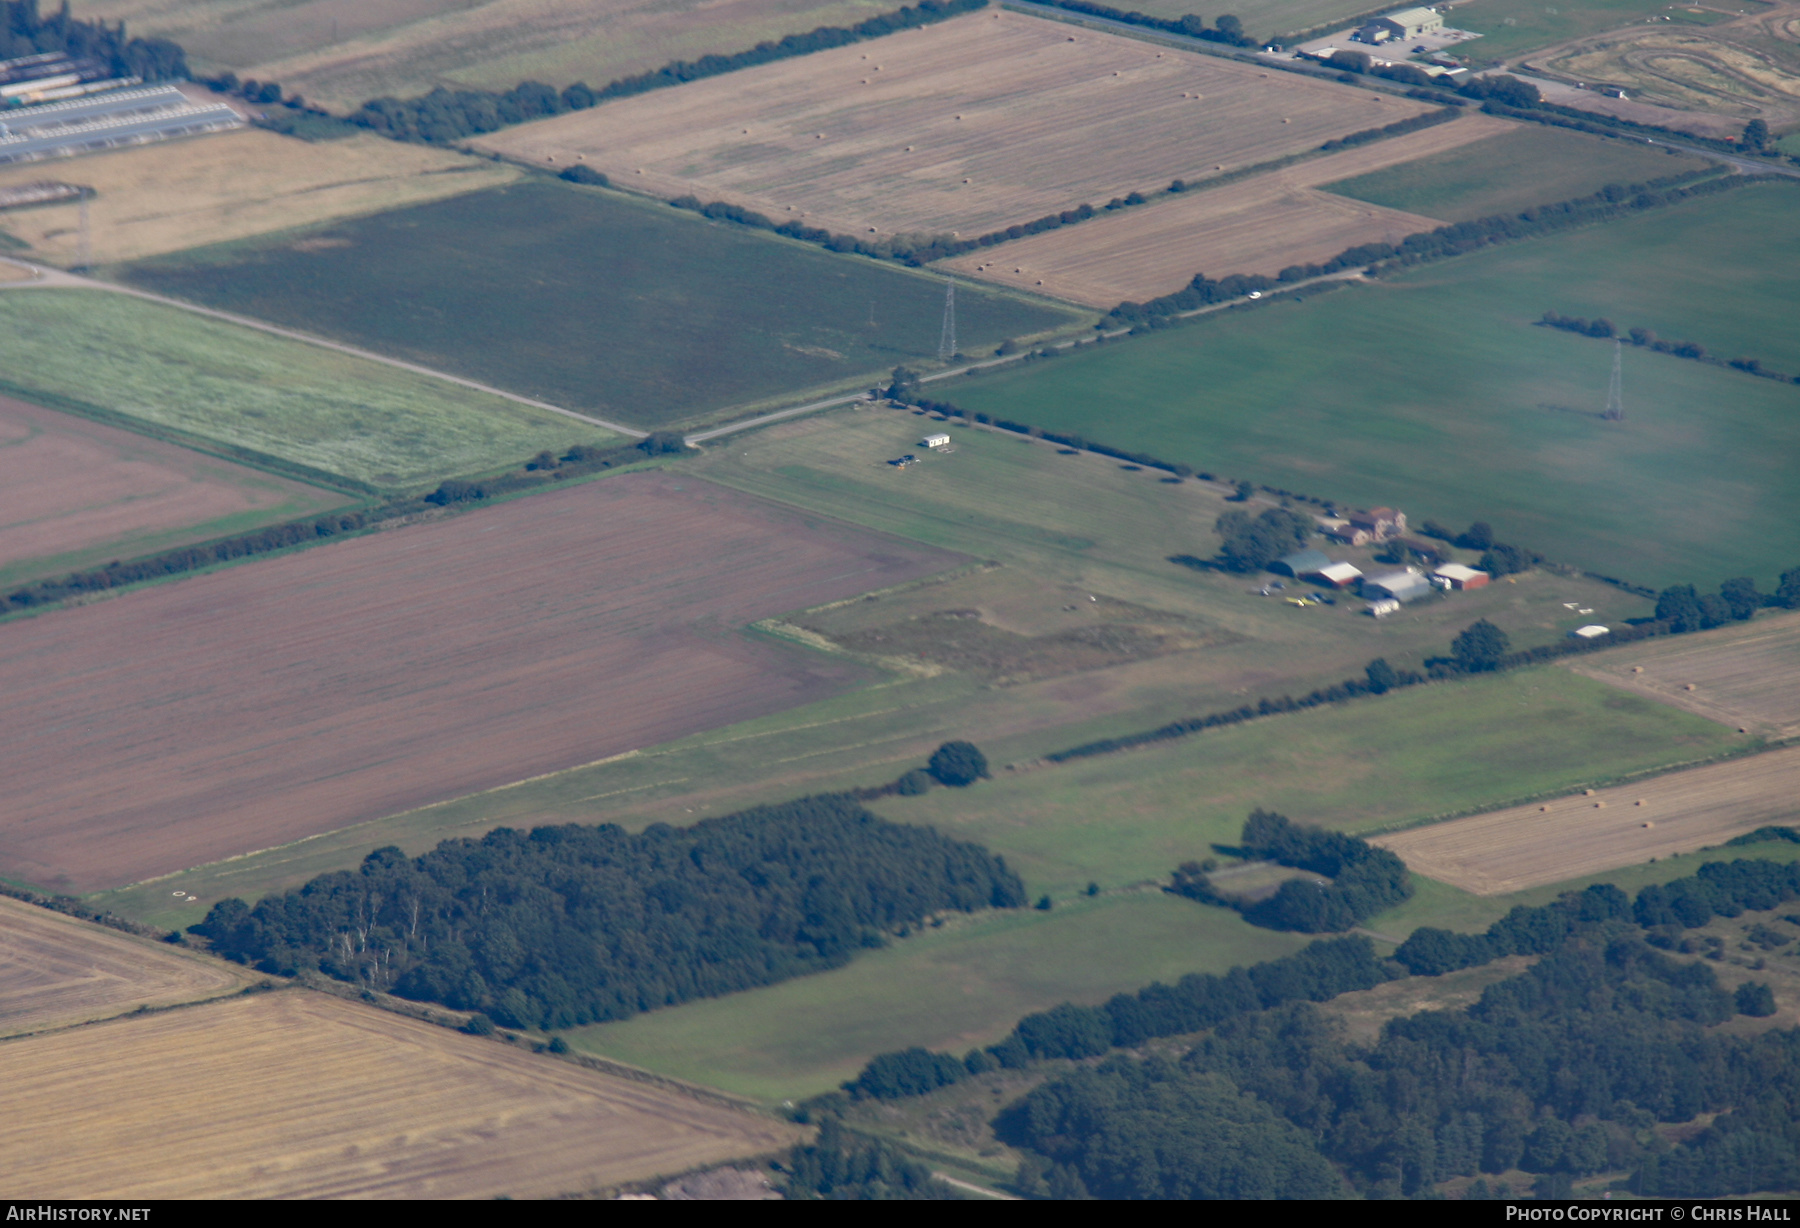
x=1338, y=575
x=1401, y=586
x=1360, y=528
x=935, y=441
x=1401, y=24
x=107, y=121
x=1592, y=631
x=1300, y=562
x=1460, y=576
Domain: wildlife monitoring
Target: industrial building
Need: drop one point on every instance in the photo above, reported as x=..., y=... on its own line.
x=1402, y=24
x=107, y=121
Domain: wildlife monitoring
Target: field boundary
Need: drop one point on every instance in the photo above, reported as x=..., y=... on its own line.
x=65, y=280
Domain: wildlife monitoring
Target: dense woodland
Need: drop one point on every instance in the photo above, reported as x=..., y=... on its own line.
x=27, y=32
x=1561, y=1072
x=564, y=926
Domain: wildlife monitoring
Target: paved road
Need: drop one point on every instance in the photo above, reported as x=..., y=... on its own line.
x=48, y=278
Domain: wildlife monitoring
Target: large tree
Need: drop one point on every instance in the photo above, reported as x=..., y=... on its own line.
x=1480, y=647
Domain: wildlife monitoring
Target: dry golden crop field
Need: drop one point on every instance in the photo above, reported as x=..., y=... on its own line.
x=1605, y=829
x=966, y=126
x=168, y=197
x=1741, y=675
x=1259, y=225
x=341, y=53
x=56, y=971
x=294, y=1094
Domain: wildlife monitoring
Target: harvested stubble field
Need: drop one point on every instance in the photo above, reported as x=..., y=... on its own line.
x=1742, y=675
x=966, y=126
x=1258, y=225
x=56, y=971
x=172, y=372
x=286, y=698
x=1606, y=829
x=298, y=1095
x=74, y=493
x=340, y=53
x=181, y=194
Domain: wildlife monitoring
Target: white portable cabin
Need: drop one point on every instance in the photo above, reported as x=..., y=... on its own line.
x=935, y=441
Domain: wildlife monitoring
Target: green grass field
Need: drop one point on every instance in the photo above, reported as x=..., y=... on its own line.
x=1434, y=392
x=194, y=378
x=954, y=988
x=1511, y=28
x=1531, y=165
x=595, y=301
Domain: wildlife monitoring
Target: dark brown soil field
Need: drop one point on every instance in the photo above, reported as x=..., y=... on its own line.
x=74, y=493
x=256, y=706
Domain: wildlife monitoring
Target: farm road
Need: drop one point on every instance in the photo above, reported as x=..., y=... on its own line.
x=43, y=278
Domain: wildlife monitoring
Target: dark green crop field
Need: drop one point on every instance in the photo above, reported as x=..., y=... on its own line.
x=1435, y=392
x=1515, y=170
x=593, y=301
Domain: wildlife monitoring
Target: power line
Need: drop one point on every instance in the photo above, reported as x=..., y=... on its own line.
x=947, y=336
x=1615, y=394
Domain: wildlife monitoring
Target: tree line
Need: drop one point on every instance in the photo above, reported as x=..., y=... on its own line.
x=446, y=115
x=543, y=470
x=27, y=32
x=1646, y=338
x=570, y=925
x=1227, y=30
x=1365, y=880
x=1611, y=201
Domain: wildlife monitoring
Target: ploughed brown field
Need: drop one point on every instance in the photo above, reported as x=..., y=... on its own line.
x=298, y=1095
x=235, y=711
x=1258, y=225
x=74, y=493
x=1588, y=833
x=1741, y=675
x=56, y=971
x=966, y=126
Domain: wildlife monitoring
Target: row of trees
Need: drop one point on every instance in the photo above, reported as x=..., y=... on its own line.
x=569, y=925
x=1614, y=200
x=449, y=115
x=1603, y=328
x=1365, y=880
x=1398, y=128
x=1557, y=1071
x=24, y=31
x=1227, y=29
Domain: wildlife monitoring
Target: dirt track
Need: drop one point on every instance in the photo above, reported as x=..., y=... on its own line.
x=56, y=971
x=969, y=125
x=1259, y=225
x=299, y=1095
x=251, y=707
x=1573, y=837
